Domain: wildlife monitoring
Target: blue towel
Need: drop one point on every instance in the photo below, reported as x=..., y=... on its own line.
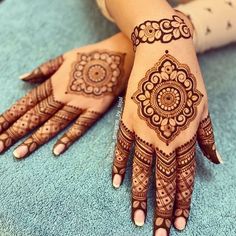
x=73, y=195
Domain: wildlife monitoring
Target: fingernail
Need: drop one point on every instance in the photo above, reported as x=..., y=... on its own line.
x=58, y=149
x=180, y=223
x=116, y=181
x=24, y=75
x=1, y=146
x=219, y=157
x=20, y=151
x=161, y=232
x=139, y=217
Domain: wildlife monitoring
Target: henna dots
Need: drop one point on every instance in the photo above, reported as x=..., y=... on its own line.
x=167, y=98
x=96, y=73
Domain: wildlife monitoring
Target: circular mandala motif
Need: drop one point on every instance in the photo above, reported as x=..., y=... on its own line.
x=96, y=73
x=167, y=98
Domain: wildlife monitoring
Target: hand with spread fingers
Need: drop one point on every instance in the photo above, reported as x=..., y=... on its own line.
x=165, y=114
x=78, y=87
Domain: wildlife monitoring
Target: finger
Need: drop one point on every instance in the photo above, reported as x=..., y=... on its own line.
x=142, y=164
x=30, y=120
x=44, y=71
x=125, y=138
x=186, y=166
x=165, y=172
x=206, y=140
x=24, y=104
x=54, y=125
x=82, y=124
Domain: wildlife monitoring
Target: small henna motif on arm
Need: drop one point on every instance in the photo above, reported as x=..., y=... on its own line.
x=164, y=31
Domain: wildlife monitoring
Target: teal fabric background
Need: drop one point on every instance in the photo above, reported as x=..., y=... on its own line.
x=72, y=195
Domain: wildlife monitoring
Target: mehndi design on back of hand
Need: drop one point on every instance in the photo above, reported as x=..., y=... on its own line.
x=164, y=31
x=167, y=98
x=96, y=73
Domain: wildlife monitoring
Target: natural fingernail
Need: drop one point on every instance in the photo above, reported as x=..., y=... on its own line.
x=58, y=149
x=20, y=151
x=1, y=146
x=219, y=157
x=180, y=223
x=139, y=217
x=161, y=232
x=24, y=75
x=116, y=181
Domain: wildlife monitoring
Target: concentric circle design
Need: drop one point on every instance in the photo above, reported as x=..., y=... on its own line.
x=167, y=98
x=96, y=73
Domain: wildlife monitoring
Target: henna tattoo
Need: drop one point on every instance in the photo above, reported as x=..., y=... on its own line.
x=167, y=98
x=24, y=104
x=58, y=122
x=44, y=71
x=142, y=164
x=97, y=73
x=165, y=189
x=30, y=120
x=206, y=140
x=164, y=31
x=125, y=138
x=186, y=167
x=82, y=124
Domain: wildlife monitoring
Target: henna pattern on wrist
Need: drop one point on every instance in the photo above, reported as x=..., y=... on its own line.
x=97, y=73
x=164, y=31
x=167, y=98
x=206, y=140
x=44, y=71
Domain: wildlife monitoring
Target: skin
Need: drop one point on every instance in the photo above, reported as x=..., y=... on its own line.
x=16, y=122
x=127, y=16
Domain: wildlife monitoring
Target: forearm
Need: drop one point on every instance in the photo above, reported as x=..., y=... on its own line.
x=128, y=14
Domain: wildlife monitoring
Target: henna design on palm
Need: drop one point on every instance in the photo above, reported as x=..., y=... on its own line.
x=96, y=73
x=167, y=98
x=164, y=31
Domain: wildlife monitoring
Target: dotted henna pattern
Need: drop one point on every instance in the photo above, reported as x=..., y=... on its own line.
x=96, y=73
x=164, y=31
x=167, y=98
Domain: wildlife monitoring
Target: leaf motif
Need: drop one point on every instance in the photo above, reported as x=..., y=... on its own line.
x=176, y=33
x=159, y=221
x=167, y=38
x=144, y=205
x=135, y=204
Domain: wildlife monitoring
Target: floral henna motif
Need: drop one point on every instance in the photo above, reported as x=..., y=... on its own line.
x=164, y=31
x=125, y=138
x=206, y=140
x=82, y=124
x=24, y=104
x=167, y=98
x=186, y=167
x=97, y=73
x=54, y=125
x=142, y=164
x=44, y=71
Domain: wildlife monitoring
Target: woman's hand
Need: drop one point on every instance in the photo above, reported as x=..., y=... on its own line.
x=83, y=84
x=165, y=113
